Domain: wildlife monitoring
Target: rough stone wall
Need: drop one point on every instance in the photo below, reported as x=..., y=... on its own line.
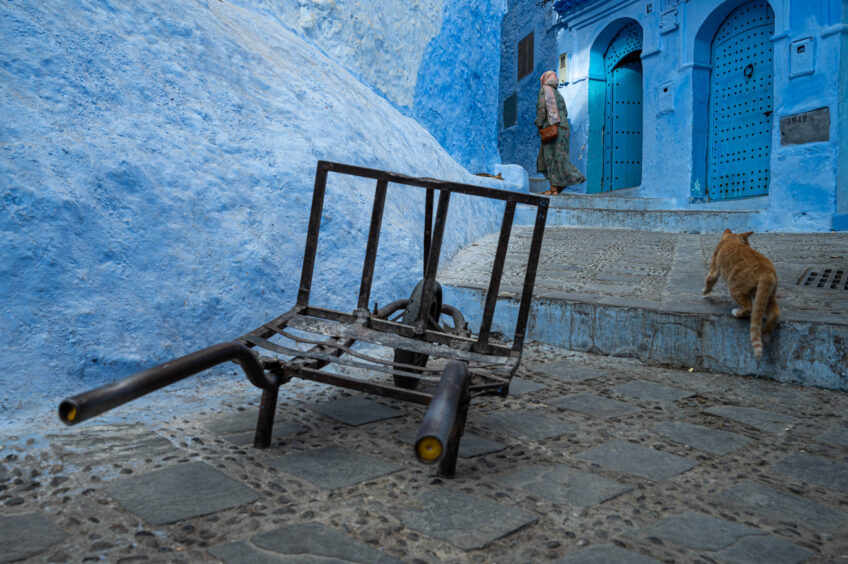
x=157, y=164
x=435, y=61
x=456, y=93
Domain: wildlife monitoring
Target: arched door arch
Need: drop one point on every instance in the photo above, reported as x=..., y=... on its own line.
x=741, y=104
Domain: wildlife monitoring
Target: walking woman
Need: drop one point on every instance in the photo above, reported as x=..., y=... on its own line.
x=551, y=120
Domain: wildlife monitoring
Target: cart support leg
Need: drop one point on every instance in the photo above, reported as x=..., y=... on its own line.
x=265, y=423
x=447, y=466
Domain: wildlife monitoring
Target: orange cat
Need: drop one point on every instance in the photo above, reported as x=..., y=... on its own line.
x=752, y=281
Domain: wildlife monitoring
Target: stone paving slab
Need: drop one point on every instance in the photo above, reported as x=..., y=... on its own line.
x=27, y=534
x=110, y=444
x=700, y=437
x=519, y=386
x=699, y=532
x=355, y=410
x=465, y=521
x=814, y=469
x=239, y=428
x=605, y=554
x=307, y=543
x=596, y=406
x=777, y=505
x=836, y=436
x=638, y=460
x=532, y=424
x=228, y=424
x=651, y=391
x=242, y=552
x=768, y=421
x=565, y=485
x=470, y=446
x=179, y=492
x=565, y=371
x=281, y=430
x=333, y=467
x=783, y=396
x=759, y=549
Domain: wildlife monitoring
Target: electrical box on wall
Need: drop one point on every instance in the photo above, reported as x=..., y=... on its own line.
x=562, y=70
x=802, y=57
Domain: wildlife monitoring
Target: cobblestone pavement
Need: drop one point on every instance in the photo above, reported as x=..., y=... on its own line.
x=592, y=459
x=660, y=270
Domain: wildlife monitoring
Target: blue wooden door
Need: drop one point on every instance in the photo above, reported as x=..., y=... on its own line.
x=741, y=104
x=623, y=110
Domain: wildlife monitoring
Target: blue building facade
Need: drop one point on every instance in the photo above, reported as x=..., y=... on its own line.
x=707, y=103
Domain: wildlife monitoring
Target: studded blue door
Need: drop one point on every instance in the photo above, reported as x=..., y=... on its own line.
x=623, y=110
x=741, y=104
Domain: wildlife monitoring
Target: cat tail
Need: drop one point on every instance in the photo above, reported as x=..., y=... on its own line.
x=766, y=287
x=772, y=315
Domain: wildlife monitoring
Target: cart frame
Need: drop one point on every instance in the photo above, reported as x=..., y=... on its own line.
x=475, y=365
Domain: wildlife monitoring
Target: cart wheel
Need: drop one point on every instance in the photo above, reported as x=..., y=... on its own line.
x=409, y=317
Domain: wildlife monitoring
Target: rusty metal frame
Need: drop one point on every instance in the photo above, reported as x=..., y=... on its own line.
x=364, y=326
x=489, y=366
x=475, y=365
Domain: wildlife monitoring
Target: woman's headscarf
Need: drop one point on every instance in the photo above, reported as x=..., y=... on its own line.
x=549, y=82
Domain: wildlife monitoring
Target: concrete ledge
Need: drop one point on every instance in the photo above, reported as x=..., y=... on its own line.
x=670, y=221
x=610, y=200
x=800, y=352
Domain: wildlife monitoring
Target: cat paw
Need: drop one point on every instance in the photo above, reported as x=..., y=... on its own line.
x=739, y=312
x=706, y=291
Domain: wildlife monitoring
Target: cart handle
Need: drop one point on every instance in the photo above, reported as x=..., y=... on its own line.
x=438, y=424
x=99, y=400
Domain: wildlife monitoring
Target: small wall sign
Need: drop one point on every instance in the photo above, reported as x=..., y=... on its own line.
x=809, y=127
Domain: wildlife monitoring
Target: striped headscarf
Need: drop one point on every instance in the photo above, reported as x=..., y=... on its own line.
x=549, y=83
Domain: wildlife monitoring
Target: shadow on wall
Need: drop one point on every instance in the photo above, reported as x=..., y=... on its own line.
x=456, y=95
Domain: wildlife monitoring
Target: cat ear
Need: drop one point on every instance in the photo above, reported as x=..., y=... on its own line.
x=746, y=234
x=726, y=231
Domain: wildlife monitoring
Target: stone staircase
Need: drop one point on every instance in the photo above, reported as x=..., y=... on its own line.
x=621, y=275
x=624, y=211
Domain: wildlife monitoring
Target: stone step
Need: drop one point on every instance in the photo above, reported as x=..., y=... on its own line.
x=666, y=220
x=610, y=200
x=638, y=294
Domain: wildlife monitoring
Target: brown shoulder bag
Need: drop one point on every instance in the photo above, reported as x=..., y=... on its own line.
x=549, y=134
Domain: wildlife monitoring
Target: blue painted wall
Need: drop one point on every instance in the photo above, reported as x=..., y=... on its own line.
x=434, y=60
x=807, y=190
x=456, y=90
x=840, y=220
x=157, y=163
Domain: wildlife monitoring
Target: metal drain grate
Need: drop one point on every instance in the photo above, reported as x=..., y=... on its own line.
x=825, y=278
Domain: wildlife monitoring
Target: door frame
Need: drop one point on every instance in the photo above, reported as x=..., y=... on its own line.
x=597, y=100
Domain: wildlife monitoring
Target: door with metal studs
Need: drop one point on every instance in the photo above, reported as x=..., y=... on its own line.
x=623, y=110
x=741, y=104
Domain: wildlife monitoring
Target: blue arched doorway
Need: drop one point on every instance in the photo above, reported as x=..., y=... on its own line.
x=622, y=136
x=741, y=104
